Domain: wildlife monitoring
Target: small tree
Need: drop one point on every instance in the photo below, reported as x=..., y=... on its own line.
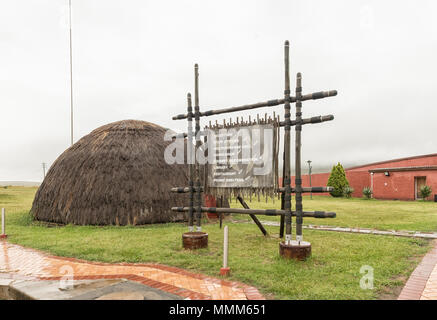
x=425, y=192
x=367, y=192
x=337, y=180
x=347, y=191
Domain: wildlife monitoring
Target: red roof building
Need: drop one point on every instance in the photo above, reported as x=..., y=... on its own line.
x=397, y=179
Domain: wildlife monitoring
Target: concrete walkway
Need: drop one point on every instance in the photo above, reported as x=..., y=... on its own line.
x=422, y=284
x=28, y=268
x=408, y=234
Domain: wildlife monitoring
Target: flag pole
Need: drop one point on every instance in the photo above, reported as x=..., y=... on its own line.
x=71, y=75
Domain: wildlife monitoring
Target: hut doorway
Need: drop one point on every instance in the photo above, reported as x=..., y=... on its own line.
x=418, y=183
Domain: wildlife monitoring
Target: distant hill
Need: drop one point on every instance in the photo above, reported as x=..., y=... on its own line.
x=20, y=183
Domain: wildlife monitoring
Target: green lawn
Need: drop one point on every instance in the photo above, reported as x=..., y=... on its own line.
x=356, y=212
x=333, y=271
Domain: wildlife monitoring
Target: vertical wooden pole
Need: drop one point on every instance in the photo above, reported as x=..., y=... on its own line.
x=205, y=166
x=190, y=159
x=287, y=181
x=281, y=226
x=205, y=170
x=198, y=143
x=298, y=164
x=221, y=214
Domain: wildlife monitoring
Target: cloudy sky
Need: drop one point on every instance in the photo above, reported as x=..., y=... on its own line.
x=134, y=60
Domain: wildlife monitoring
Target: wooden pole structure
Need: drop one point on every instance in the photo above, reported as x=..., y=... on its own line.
x=289, y=248
x=298, y=165
x=287, y=181
x=198, y=143
x=194, y=240
x=265, y=212
x=205, y=166
x=309, y=189
x=270, y=103
x=281, y=224
x=190, y=162
x=185, y=189
x=312, y=120
x=254, y=218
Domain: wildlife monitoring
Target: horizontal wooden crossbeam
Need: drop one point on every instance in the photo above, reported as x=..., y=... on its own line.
x=185, y=189
x=293, y=190
x=180, y=135
x=312, y=120
x=265, y=212
x=309, y=189
x=184, y=134
x=269, y=103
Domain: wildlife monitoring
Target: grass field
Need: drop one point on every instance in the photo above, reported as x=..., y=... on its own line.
x=356, y=212
x=333, y=271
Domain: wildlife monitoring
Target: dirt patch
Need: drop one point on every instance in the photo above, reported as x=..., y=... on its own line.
x=390, y=293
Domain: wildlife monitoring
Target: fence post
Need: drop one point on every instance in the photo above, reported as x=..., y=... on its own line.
x=225, y=270
x=3, y=234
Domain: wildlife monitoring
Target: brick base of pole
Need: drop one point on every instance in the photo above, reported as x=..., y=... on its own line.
x=195, y=240
x=3, y=236
x=295, y=250
x=225, y=271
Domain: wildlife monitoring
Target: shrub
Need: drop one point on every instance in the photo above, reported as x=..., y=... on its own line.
x=347, y=191
x=425, y=192
x=367, y=192
x=337, y=180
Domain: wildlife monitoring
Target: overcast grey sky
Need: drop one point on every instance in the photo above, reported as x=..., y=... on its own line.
x=134, y=60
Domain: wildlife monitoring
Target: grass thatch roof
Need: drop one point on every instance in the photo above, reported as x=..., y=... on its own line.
x=116, y=175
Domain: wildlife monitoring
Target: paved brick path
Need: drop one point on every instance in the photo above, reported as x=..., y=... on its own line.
x=422, y=283
x=20, y=262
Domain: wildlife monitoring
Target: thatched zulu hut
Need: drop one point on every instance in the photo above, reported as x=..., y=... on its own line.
x=116, y=175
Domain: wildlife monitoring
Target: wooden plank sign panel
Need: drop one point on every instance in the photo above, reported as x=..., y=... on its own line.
x=242, y=157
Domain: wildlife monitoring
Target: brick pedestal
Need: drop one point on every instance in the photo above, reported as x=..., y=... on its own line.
x=225, y=271
x=295, y=250
x=195, y=240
